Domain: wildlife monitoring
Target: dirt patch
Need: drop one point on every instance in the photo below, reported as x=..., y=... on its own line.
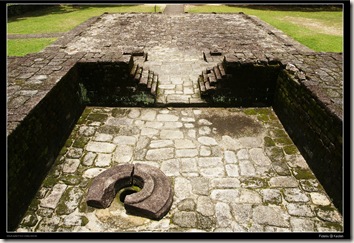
x=235, y=125
x=315, y=25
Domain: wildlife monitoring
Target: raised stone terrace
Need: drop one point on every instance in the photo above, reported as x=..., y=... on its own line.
x=232, y=169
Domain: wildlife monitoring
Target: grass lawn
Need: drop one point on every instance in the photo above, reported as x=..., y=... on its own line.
x=21, y=47
x=55, y=19
x=318, y=30
x=62, y=18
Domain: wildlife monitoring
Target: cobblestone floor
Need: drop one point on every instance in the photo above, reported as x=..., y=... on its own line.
x=231, y=170
x=178, y=74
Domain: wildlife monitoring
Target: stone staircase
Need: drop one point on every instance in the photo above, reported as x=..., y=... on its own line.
x=211, y=79
x=145, y=79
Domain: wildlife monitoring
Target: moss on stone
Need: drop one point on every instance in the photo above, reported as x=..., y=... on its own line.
x=290, y=149
x=30, y=220
x=283, y=141
x=108, y=129
x=119, y=112
x=99, y=117
x=300, y=173
x=279, y=133
x=268, y=142
x=332, y=226
x=274, y=124
x=254, y=182
x=62, y=152
x=310, y=185
x=263, y=117
x=34, y=204
x=84, y=220
x=69, y=201
x=80, y=142
x=71, y=179
x=61, y=209
x=273, y=117
x=50, y=181
x=250, y=111
x=83, y=117
x=69, y=142
x=83, y=208
x=275, y=154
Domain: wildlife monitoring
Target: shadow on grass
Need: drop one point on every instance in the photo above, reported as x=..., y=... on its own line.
x=300, y=8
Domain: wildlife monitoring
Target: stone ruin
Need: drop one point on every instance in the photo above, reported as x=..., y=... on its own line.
x=152, y=60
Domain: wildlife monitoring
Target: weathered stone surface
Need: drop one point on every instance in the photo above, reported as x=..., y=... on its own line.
x=225, y=195
x=71, y=165
x=103, y=160
x=153, y=201
x=234, y=178
x=223, y=214
x=53, y=198
x=161, y=143
x=297, y=209
x=230, y=157
x=100, y=147
x=319, y=199
x=186, y=205
x=123, y=153
x=267, y=215
x=295, y=195
x=170, y=167
x=185, y=219
x=207, y=140
x=205, y=206
x=160, y=154
x=302, y=225
x=283, y=181
x=128, y=140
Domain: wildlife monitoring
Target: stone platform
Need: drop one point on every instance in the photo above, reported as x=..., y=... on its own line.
x=232, y=170
x=223, y=181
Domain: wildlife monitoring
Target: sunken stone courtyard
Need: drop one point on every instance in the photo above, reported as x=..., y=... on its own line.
x=225, y=121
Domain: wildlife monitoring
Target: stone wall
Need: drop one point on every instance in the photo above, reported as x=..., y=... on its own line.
x=110, y=84
x=35, y=141
x=246, y=85
x=34, y=145
x=315, y=130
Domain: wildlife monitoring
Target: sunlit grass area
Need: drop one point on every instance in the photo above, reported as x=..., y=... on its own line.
x=318, y=30
x=62, y=18
x=56, y=19
x=21, y=47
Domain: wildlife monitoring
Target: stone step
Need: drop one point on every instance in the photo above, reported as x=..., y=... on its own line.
x=217, y=73
x=222, y=70
x=138, y=74
x=134, y=70
x=154, y=84
x=150, y=79
x=211, y=79
x=143, y=80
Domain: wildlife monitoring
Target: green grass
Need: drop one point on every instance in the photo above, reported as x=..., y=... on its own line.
x=21, y=47
x=56, y=19
x=62, y=18
x=318, y=30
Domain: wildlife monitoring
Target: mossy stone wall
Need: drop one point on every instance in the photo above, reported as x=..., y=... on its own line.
x=109, y=84
x=36, y=142
x=314, y=129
